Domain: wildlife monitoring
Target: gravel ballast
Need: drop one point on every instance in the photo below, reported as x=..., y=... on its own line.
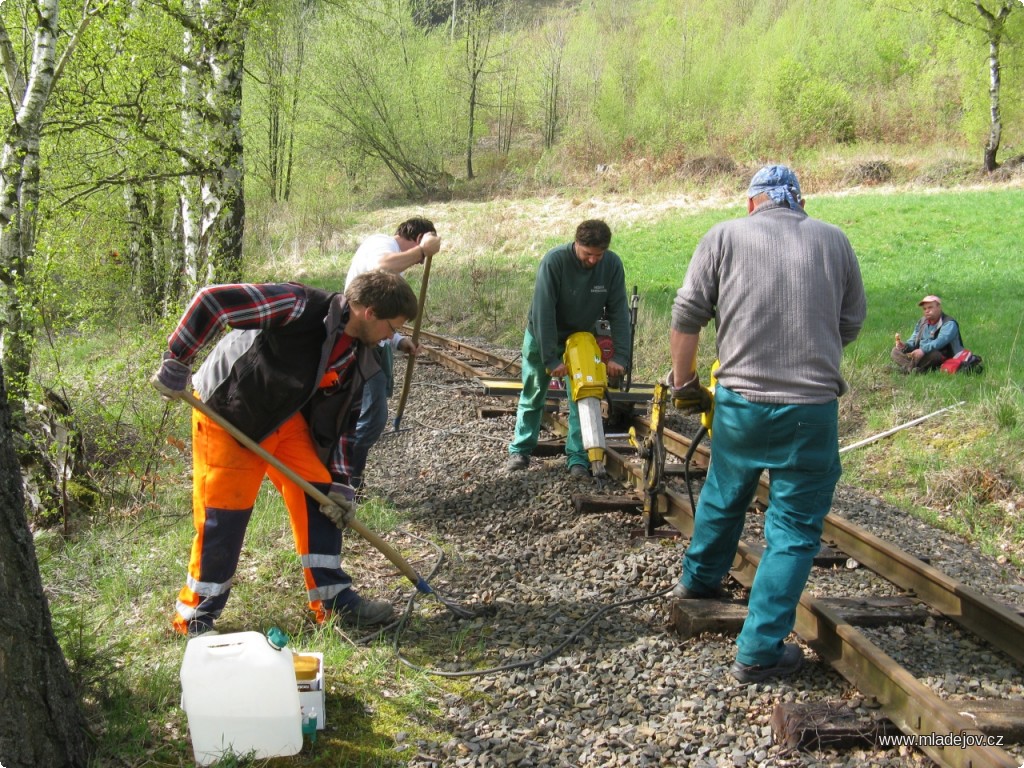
x=626, y=690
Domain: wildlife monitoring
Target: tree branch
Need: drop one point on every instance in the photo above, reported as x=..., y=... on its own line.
x=88, y=14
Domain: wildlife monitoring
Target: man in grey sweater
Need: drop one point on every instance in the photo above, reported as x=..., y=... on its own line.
x=786, y=294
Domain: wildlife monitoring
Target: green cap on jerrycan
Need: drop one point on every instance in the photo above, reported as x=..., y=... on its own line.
x=277, y=638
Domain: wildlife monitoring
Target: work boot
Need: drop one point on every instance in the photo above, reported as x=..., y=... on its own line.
x=200, y=626
x=517, y=462
x=579, y=471
x=789, y=662
x=682, y=592
x=361, y=612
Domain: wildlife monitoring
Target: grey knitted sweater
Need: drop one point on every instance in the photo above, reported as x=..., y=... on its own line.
x=786, y=294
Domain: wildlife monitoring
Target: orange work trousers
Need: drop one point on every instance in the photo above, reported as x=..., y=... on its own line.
x=226, y=480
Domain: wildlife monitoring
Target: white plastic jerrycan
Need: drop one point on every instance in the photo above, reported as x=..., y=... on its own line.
x=239, y=693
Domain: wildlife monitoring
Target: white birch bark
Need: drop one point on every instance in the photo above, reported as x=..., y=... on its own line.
x=28, y=95
x=187, y=220
x=212, y=202
x=19, y=185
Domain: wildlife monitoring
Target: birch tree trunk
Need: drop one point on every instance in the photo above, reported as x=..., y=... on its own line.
x=212, y=200
x=995, y=28
x=19, y=188
x=28, y=94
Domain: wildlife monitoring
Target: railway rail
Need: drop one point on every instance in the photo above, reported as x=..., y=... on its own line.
x=960, y=734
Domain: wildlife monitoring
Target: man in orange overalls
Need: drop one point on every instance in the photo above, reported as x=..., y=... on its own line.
x=290, y=376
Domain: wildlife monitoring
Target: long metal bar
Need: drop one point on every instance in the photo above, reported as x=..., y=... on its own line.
x=894, y=430
x=410, y=364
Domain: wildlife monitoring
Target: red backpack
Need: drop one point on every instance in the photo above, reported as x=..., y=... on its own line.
x=963, y=362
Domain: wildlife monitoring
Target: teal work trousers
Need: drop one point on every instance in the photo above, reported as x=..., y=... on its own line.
x=531, y=408
x=799, y=446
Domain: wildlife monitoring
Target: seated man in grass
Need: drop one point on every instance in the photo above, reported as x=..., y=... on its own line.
x=936, y=338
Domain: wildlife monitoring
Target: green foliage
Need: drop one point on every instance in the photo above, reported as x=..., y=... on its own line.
x=125, y=429
x=389, y=102
x=962, y=50
x=275, y=98
x=648, y=85
x=821, y=113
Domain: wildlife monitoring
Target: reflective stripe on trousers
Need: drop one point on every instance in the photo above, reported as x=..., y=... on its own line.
x=226, y=481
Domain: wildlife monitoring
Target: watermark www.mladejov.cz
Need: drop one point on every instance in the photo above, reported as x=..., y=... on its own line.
x=963, y=739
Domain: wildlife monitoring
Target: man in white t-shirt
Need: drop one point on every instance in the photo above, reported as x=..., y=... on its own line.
x=413, y=241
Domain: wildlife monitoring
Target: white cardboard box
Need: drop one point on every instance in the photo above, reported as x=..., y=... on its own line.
x=311, y=692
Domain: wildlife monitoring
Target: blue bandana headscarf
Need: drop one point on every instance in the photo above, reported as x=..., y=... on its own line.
x=779, y=182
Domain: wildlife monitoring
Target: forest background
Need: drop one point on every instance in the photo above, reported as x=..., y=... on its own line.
x=153, y=147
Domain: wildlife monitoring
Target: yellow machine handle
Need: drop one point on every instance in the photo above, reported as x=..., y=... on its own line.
x=708, y=416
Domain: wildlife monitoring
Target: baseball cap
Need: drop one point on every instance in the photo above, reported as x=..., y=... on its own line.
x=929, y=298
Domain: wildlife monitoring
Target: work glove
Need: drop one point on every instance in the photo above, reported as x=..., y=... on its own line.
x=171, y=378
x=342, y=509
x=691, y=397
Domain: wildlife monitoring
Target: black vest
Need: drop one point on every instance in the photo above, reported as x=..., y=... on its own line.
x=277, y=371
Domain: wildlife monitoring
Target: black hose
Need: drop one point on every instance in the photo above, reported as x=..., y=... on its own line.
x=686, y=464
x=399, y=625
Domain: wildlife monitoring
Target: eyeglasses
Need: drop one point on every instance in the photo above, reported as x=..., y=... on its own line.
x=393, y=329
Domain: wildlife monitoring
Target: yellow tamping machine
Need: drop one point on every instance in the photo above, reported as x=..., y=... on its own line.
x=588, y=381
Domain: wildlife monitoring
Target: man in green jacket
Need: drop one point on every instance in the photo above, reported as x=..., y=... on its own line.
x=576, y=284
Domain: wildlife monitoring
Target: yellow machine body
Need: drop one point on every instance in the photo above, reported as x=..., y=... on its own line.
x=587, y=374
x=588, y=381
